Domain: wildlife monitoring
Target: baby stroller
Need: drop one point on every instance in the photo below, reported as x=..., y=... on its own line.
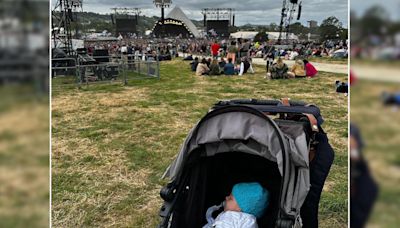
x=279, y=144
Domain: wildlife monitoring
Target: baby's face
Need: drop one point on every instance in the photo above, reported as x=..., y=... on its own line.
x=231, y=204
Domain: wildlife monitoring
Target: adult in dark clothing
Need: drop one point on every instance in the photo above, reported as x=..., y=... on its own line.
x=222, y=63
x=245, y=66
x=363, y=188
x=193, y=65
x=208, y=62
x=269, y=57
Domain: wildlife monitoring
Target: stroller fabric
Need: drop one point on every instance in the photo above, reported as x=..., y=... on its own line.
x=236, y=144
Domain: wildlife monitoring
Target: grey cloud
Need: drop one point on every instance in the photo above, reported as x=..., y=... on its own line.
x=255, y=11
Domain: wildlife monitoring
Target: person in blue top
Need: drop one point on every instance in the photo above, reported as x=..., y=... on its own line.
x=229, y=68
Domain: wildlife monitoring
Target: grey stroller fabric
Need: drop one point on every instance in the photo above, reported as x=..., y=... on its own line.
x=249, y=131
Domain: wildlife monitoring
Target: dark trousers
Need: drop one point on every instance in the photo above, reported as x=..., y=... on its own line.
x=319, y=169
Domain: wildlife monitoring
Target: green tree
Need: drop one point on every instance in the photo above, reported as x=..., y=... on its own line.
x=298, y=29
x=374, y=21
x=261, y=36
x=331, y=28
x=273, y=27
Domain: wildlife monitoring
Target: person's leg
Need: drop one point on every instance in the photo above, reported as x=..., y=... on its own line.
x=291, y=75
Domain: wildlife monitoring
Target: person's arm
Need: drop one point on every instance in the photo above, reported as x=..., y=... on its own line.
x=241, y=68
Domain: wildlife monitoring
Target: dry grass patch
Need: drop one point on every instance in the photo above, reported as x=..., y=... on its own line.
x=110, y=153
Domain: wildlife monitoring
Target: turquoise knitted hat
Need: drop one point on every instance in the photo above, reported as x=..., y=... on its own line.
x=252, y=198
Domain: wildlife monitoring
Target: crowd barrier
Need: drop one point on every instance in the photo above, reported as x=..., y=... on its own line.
x=86, y=70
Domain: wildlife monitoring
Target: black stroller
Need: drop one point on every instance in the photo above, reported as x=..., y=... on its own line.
x=279, y=144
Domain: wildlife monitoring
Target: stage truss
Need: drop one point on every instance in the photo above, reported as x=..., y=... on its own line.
x=62, y=18
x=289, y=8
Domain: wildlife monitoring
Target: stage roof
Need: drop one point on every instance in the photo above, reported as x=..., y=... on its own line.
x=177, y=14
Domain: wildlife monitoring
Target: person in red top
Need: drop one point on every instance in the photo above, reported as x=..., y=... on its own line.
x=310, y=69
x=215, y=49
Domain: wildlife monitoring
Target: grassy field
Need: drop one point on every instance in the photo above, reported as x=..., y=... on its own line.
x=24, y=158
x=380, y=127
x=111, y=143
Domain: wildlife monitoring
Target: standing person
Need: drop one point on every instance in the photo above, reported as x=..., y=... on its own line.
x=215, y=49
x=232, y=49
x=269, y=57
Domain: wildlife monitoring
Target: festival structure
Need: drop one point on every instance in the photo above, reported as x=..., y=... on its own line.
x=176, y=24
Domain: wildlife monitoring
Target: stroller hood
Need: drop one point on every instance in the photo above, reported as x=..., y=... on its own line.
x=240, y=129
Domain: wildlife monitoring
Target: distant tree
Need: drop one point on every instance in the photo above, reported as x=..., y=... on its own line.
x=298, y=29
x=374, y=21
x=261, y=36
x=273, y=27
x=331, y=28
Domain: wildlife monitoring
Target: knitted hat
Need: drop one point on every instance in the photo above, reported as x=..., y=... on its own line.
x=252, y=198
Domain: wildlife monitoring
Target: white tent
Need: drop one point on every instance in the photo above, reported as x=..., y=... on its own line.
x=244, y=35
x=275, y=36
x=177, y=14
x=271, y=35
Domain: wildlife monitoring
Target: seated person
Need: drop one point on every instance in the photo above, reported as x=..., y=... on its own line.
x=391, y=98
x=310, y=69
x=222, y=63
x=278, y=70
x=297, y=70
x=214, y=68
x=202, y=68
x=246, y=203
x=208, y=62
x=245, y=66
x=194, y=64
x=188, y=58
x=229, y=68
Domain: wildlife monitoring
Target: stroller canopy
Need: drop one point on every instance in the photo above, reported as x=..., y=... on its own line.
x=244, y=129
x=232, y=130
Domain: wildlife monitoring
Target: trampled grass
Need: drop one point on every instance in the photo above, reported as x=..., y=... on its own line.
x=380, y=128
x=24, y=158
x=112, y=143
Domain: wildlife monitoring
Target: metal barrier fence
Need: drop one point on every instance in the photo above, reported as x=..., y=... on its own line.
x=88, y=70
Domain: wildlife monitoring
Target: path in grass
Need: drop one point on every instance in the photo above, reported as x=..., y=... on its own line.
x=111, y=144
x=380, y=128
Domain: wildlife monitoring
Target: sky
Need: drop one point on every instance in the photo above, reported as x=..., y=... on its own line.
x=391, y=6
x=261, y=12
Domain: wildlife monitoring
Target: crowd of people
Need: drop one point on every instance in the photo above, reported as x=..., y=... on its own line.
x=228, y=56
x=229, y=48
x=213, y=66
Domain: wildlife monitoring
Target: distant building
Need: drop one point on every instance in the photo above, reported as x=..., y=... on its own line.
x=312, y=24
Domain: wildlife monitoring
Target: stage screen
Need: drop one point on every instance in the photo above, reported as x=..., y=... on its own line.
x=125, y=25
x=221, y=27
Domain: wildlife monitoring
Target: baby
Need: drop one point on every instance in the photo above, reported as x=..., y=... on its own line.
x=242, y=207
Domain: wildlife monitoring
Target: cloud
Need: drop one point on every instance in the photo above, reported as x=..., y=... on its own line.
x=255, y=12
